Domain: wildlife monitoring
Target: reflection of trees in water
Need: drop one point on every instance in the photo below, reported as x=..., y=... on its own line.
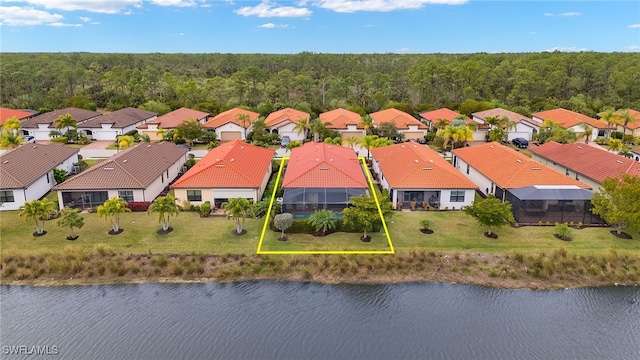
x=368, y=299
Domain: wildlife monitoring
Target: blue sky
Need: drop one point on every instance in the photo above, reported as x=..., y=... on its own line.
x=322, y=26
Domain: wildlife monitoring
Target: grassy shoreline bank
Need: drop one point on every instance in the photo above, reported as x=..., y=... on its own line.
x=558, y=269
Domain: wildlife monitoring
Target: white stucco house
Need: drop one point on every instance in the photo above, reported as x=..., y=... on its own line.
x=525, y=127
x=232, y=170
x=347, y=123
x=41, y=125
x=283, y=123
x=139, y=173
x=418, y=177
x=170, y=121
x=574, y=121
x=119, y=122
x=26, y=173
x=233, y=124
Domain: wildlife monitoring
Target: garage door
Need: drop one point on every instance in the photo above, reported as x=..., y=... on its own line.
x=413, y=135
x=230, y=135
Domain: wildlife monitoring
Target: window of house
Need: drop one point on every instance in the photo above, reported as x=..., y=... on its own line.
x=600, y=133
x=457, y=196
x=566, y=172
x=126, y=195
x=467, y=169
x=48, y=181
x=162, y=177
x=194, y=195
x=6, y=196
x=577, y=177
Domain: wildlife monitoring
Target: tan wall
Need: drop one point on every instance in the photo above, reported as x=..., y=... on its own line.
x=413, y=134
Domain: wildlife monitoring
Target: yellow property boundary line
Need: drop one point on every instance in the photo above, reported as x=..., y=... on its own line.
x=328, y=252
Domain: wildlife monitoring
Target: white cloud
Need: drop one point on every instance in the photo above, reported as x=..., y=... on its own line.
x=566, y=49
x=267, y=9
x=634, y=26
x=273, y=26
x=84, y=18
x=403, y=50
x=25, y=16
x=532, y=33
x=564, y=14
x=98, y=6
x=349, y=6
x=176, y=3
x=59, y=24
x=632, y=48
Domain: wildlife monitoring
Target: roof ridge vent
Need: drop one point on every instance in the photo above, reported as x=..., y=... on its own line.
x=579, y=147
x=536, y=168
x=619, y=161
x=518, y=160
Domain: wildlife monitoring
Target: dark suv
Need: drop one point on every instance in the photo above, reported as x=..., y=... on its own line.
x=520, y=142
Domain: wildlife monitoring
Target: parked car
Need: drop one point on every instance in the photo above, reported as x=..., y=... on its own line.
x=520, y=142
x=285, y=141
x=185, y=145
x=422, y=141
x=29, y=139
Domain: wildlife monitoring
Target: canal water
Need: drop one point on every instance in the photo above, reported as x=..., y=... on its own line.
x=296, y=320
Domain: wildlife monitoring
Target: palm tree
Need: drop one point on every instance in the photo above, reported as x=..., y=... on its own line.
x=124, y=141
x=111, y=209
x=351, y=141
x=367, y=122
x=615, y=145
x=37, y=210
x=441, y=123
x=625, y=118
x=456, y=135
x=316, y=126
x=12, y=125
x=161, y=133
x=608, y=115
x=9, y=140
x=66, y=121
x=71, y=218
x=302, y=126
x=165, y=207
x=368, y=142
x=238, y=209
x=323, y=220
x=588, y=131
x=335, y=141
x=243, y=118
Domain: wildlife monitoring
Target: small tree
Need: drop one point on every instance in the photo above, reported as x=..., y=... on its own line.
x=38, y=211
x=324, y=220
x=363, y=215
x=491, y=212
x=111, y=209
x=238, y=209
x=563, y=232
x=426, y=225
x=165, y=207
x=283, y=222
x=618, y=202
x=190, y=130
x=60, y=175
x=71, y=218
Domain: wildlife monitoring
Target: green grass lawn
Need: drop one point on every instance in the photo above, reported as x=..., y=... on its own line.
x=454, y=232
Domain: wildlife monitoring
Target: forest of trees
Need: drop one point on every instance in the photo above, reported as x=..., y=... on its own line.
x=584, y=82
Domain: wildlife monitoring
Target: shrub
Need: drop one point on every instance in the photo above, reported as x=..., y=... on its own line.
x=61, y=139
x=205, y=208
x=562, y=231
x=139, y=206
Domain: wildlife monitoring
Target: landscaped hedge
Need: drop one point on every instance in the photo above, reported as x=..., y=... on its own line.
x=61, y=139
x=302, y=226
x=139, y=206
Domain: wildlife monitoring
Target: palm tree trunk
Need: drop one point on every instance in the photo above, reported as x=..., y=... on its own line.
x=238, y=226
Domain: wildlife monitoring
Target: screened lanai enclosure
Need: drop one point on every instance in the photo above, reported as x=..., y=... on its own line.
x=307, y=200
x=533, y=204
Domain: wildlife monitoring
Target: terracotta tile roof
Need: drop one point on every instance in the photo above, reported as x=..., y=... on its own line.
x=414, y=166
x=230, y=116
x=340, y=118
x=594, y=163
x=443, y=113
x=6, y=114
x=567, y=118
x=175, y=118
x=120, y=118
x=400, y=118
x=134, y=168
x=499, y=112
x=81, y=115
x=510, y=169
x=322, y=165
x=27, y=163
x=280, y=116
x=636, y=115
x=235, y=164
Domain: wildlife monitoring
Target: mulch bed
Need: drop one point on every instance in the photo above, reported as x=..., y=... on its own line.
x=235, y=233
x=490, y=235
x=283, y=238
x=426, y=231
x=622, y=235
x=72, y=238
x=111, y=232
x=563, y=238
x=163, y=232
x=36, y=234
x=365, y=238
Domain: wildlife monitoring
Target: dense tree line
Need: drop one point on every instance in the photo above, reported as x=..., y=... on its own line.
x=585, y=82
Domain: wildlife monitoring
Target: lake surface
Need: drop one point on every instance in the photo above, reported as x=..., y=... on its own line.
x=295, y=320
